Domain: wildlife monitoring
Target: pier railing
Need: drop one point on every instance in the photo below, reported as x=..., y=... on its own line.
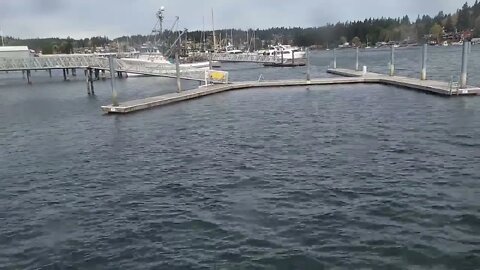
x=51, y=62
x=255, y=58
x=95, y=62
x=159, y=69
x=414, y=62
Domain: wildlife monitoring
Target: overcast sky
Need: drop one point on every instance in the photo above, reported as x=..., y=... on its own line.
x=113, y=18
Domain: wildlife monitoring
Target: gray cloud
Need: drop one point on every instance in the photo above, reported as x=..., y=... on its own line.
x=62, y=18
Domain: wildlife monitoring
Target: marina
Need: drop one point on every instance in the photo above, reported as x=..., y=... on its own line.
x=342, y=145
x=355, y=77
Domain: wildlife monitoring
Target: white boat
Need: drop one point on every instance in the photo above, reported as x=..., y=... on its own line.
x=157, y=60
x=459, y=43
x=231, y=50
x=151, y=56
x=290, y=53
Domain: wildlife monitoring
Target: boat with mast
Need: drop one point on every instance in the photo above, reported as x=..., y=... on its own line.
x=154, y=51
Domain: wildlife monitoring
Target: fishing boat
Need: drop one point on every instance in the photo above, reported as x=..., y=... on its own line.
x=152, y=53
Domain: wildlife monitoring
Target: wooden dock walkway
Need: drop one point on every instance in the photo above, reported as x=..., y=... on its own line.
x=430, y=86
x=349, y=77
x=146, y=103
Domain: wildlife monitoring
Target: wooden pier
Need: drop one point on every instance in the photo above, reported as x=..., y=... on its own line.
x=146, y=103
x=430, y=86
x=348, y=77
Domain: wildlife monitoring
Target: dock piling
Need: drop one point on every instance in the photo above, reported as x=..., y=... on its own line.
x=281, y=55
x=423, y=76
x=97, y=74
x=210, y=64
x=392, y=60
x=65, y=74
x=90, y=78
x=177, y=68
x=74, y=72
x=334, y=58
x=463, y=75
x=50, y=73
x=29, y=77
x=87, y=80
x=356, y=59
x=307, y=52
x=293, y=58
x=111, y=63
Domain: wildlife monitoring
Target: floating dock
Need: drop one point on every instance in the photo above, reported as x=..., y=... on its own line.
x=146, y=103
x=349, y=77
x=430, y=86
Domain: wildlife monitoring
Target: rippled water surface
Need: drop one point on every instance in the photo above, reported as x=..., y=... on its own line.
x=334, y=177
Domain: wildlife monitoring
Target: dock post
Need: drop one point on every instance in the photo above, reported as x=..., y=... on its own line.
x=392, y=61
x=97, y=74
x=308, y=64
x=293, y=58
x=424, y=62
x=50, y=73
x=65, y=74
x=356, y=59
x=74, y=72
x=111, y=63
x=463, y=75
x=90, y=78
x=282, y=55
x=29, y=77
x=87, y=79
x=177, y=68
x=23, y=74
x=335, y=58
x=210, y=64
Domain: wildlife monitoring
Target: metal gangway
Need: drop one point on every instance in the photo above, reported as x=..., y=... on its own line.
x=91, y=61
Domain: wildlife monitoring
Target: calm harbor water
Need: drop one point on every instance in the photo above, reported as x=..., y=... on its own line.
x=337, y=177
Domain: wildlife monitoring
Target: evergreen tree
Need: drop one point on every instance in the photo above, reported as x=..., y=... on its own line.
x=464, y=18
x=449, y=26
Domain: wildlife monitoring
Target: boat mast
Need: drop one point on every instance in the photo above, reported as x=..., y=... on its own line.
x=160, y=18
x=203, y=34
x=248, y=42
x=1, y=34
x=214, y=38
x=158, y=37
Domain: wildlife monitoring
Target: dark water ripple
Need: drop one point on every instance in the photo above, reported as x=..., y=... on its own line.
x=346, y=177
